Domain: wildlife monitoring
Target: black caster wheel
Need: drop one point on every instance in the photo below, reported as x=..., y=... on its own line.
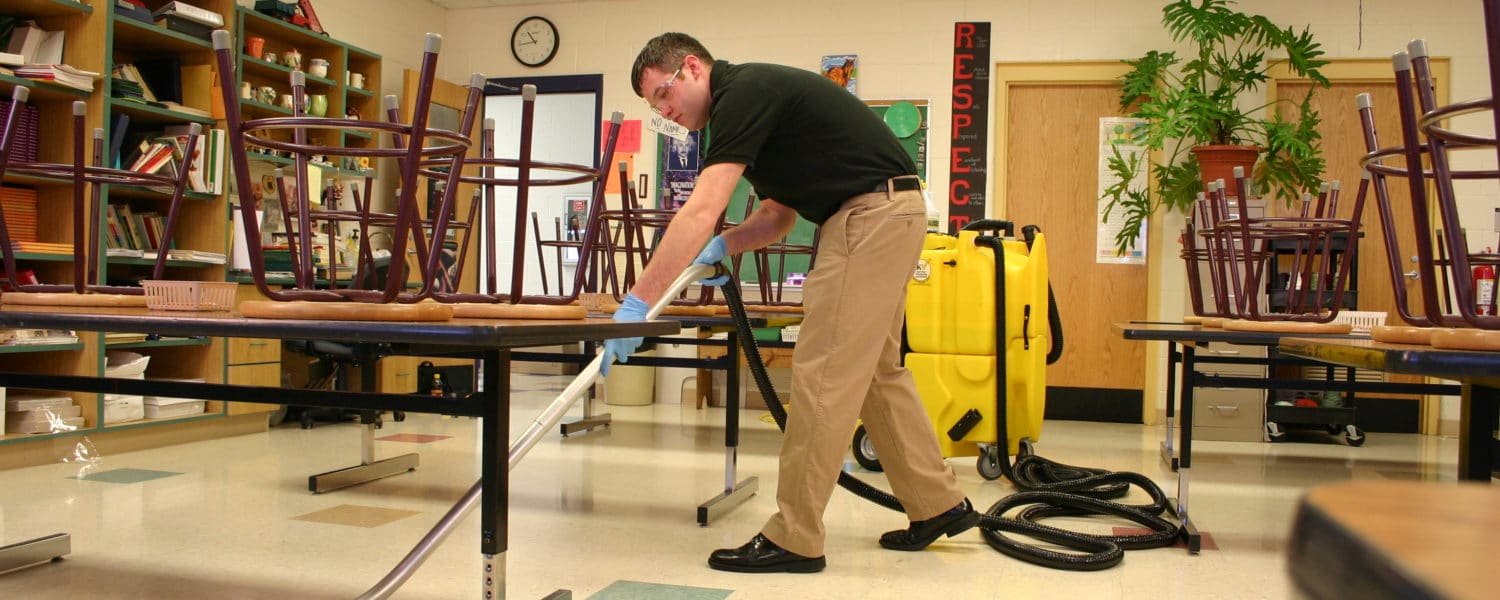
x=1334, y=428
x=991, y=462
x=399, y=415
x=864, y=451
x=306, y=420
x=1354, y=435
x=1274, y=432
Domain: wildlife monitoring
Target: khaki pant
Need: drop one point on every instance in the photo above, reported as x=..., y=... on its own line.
x=847, y=366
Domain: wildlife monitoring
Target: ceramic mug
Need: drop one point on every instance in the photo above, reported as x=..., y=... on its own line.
x=254, y=46
x=292, y=58
x=317, y=105
x=247, y=91
x=286, y=101
x=318, y=67
x=269, y=57
x=357, y=80
x=267, y=94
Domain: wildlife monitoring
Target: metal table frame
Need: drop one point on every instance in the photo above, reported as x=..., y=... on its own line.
x=1479, y=373
x=735, y=491
x=490, y=340
x=1183, y=364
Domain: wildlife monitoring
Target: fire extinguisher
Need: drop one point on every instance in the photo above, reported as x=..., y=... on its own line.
x=1484, y=288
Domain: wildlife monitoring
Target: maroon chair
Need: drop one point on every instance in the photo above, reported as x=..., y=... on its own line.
x=411, y=144
x=521, y=173
x=86, y=214
x=1444, y=260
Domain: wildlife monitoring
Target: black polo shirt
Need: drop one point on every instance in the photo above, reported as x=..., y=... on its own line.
x=805, y=142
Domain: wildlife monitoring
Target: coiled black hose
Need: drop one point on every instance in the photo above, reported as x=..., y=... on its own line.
x=1050, y=489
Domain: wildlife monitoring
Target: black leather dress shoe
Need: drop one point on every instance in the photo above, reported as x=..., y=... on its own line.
x=761, y=555
x=921, y=533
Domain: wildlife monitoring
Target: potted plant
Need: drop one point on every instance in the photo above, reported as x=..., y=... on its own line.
x=1193, y=109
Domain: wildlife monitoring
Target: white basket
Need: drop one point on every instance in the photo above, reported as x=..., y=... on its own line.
x=1361, y=320
x=189, y=295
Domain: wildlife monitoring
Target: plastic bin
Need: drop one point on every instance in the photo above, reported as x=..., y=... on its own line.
x=630, y=385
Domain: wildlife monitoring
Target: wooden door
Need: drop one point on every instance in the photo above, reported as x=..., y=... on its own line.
x=451, y=97
x=1049, y=178
x=1343, y=145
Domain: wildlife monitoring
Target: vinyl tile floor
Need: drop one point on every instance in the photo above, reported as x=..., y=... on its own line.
x=610, y=515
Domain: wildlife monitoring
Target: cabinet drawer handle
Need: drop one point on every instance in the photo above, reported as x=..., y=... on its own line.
x=1226, y=352
x=258, y=343
x=403, y=374
x=1226, y=409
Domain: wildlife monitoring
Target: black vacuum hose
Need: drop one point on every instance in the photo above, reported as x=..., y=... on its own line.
x=1051, y=489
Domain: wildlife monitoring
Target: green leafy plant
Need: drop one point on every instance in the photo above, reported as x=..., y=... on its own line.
x=1194, y=99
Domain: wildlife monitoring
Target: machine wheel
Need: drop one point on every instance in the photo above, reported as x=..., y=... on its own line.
x=1354, y=435
x=991, y=462
x=306, y=419
x=864, y=451
x=399, y=415
x=1274, y=432
x=1334, y=428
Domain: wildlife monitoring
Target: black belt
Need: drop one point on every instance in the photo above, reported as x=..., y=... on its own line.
x=905, y=183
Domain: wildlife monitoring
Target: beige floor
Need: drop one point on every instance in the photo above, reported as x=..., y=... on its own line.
x=594, y=509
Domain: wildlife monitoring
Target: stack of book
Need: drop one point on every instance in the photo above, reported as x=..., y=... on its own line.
x=131, y=230
x=72, y=77
x=24, y=147
x=19, y=205
x=42, y=247
x=133, y=9
x=38, y=337
x=27, y=412
x=188, y=19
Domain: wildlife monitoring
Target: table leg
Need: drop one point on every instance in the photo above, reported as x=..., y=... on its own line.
x=734, y=493
x=1168, y=454
x=494, y=520
x=1185, y=447
x=35, y=552
x=368, y=468
x=1476, y=442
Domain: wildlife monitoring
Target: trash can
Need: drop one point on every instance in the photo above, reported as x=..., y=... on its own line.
x=629, y=385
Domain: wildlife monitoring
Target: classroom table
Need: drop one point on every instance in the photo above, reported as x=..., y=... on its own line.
x=1414, y=540
x=1479, y=372
x=1183, y=377
x=490, y=340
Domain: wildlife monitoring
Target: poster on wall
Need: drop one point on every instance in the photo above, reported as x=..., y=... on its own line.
x=842, y=69
x=1117, y=137
x=968, y=173
x=680, y=163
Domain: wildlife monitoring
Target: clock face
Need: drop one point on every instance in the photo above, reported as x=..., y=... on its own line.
x=534, y=42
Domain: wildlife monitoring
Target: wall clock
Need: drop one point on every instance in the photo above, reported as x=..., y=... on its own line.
x=534, y=41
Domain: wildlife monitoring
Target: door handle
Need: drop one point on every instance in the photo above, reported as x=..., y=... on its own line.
x=1413, y=274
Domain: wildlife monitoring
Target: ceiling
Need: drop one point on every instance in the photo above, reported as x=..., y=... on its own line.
x=457, y=4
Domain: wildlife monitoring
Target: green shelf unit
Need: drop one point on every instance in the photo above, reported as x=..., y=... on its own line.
x=129, y=31
x=42, y=90
x=148, y=262
x=42, y=256
x=24, y=349
x=155, y=115
x=47, y=8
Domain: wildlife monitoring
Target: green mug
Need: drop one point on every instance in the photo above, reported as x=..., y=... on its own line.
x=317, y=105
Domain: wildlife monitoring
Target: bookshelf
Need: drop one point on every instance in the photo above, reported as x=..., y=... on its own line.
x=100, y=38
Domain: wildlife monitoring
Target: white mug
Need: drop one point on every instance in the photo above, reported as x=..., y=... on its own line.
x=357, y=80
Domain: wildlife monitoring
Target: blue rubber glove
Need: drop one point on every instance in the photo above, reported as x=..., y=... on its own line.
x=713, y=254
x=631, y=310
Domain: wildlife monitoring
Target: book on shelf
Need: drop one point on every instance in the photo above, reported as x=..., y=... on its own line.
x=60, y=74
x=133, y=9
x=12, y=59
x=25, y=40
x=217, y=258
x=191, y=13
x=179, y=134
x=122, y=253
x=184, y=26
x=185, y=109
x=42, y=247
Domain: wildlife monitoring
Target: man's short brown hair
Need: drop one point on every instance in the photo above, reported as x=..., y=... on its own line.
x=665, y=53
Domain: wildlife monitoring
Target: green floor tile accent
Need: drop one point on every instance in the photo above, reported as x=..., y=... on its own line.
x=126, y=475
x=637, y=590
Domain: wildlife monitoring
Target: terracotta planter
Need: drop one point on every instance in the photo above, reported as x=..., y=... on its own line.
x=1218, y=162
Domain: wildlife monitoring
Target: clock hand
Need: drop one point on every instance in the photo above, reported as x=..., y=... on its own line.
x=533, y=38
